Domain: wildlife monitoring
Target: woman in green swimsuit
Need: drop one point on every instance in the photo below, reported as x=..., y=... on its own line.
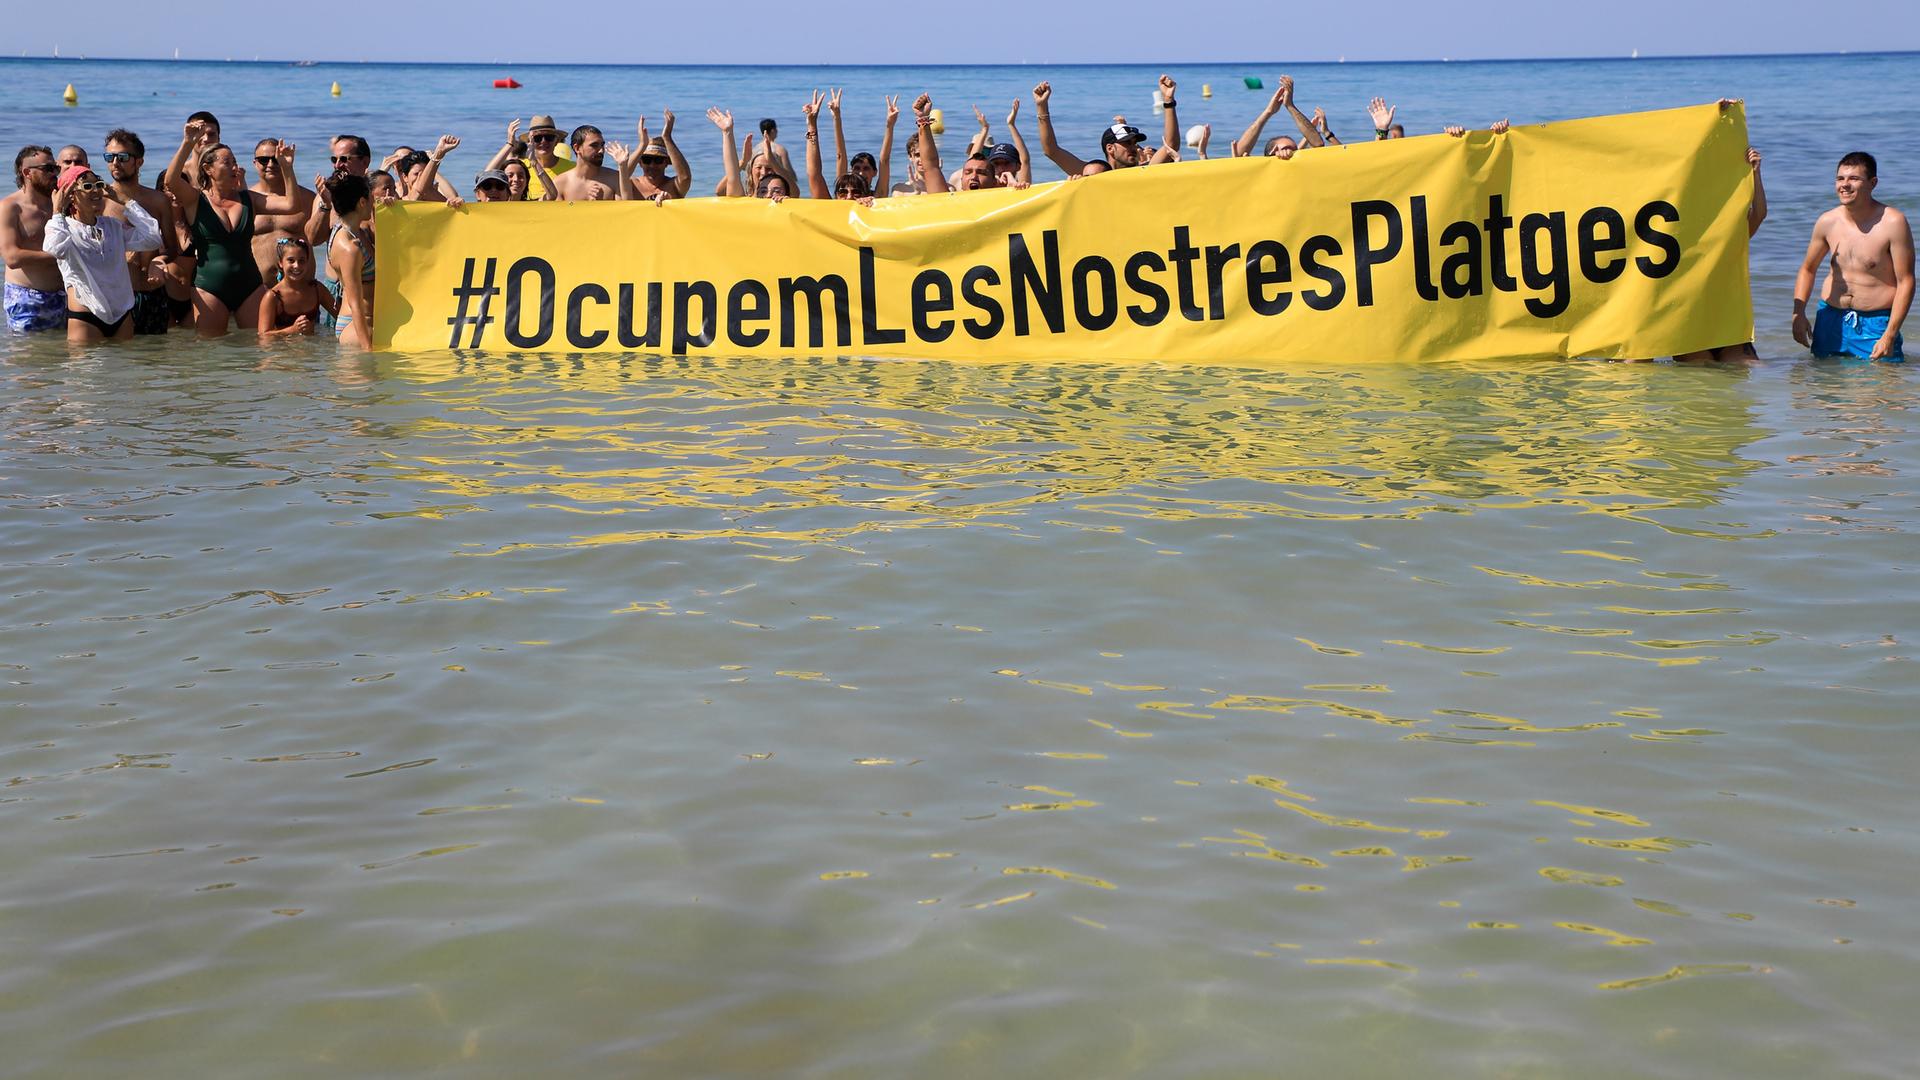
x=220, y=215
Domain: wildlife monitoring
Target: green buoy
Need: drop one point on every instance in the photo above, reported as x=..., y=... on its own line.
x=1253, y=82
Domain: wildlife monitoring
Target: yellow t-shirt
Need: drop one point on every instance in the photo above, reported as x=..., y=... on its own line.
x=535, y=189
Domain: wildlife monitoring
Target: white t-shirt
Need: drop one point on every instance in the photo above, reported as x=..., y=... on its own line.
x=93, y=258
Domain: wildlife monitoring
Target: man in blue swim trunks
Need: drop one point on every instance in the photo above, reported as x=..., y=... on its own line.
x=36, y=297
x=1869, y=284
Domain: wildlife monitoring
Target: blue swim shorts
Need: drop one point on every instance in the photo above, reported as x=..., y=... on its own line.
x=1844, y=332
x=29, y=310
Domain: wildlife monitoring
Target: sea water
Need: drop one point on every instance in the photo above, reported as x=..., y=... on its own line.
x=830, y=716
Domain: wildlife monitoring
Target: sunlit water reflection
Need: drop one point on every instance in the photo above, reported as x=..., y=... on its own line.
x=856, y=718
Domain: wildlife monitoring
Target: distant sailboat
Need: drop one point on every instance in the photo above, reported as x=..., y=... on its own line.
x=176, y=52
x=1635, y=56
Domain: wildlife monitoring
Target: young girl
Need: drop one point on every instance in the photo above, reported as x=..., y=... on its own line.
x=294, y=302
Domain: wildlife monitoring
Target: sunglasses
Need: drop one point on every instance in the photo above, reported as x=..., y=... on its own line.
x=647, y=159
x=545, y=136
x=45, y=166
x=290, y=240
x=86, y=187
x=112, y=156
x=492, y=185
x=342, y=159
x=264, y=160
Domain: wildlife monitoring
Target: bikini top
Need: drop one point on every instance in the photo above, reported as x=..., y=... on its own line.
x=366, y=249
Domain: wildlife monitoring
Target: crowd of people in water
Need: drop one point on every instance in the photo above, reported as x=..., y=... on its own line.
x=108, y=258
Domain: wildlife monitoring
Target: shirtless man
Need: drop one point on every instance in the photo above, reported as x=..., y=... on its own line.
x=72, y=155
x=270, y=229
x=1869, y=286
x=36, y=296
x=1123, y=144
x=589, y=179
x=652, y=181
x=125, y=155
x=976, y=174
x=349, y=154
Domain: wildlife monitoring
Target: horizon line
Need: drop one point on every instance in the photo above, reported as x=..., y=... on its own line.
x=1022, y=64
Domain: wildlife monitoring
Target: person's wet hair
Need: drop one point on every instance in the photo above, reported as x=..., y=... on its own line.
x=1860, y=159
x=127, y=139
x=412, y=161
x=851, y=186
x=346, y=192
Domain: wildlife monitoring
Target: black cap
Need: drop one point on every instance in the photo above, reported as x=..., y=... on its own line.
x=1126, y=133
x=1005, y=151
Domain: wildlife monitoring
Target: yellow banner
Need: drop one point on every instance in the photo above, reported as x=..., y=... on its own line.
x=1618, y=236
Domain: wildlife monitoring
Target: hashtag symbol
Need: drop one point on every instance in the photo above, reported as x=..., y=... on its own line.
x=464, y=294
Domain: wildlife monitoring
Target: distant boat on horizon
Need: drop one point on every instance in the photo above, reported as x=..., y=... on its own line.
x=1635, y=56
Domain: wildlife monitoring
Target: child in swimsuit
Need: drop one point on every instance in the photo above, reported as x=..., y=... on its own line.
x=294, y=303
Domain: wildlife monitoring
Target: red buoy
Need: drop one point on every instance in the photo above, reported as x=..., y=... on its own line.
x=505, y=84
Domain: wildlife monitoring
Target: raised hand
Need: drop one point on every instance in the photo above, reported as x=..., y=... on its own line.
x=722, y=119
x=1042, y=95
x=641, y=130
x=982, y=117
x=833, y=102
x=1279, y=99
x=1014, y=112
x=1381, y=112
x=1499, y=127
x=1166, y=88
x=513, y=131
x=1285, y=93
x=620, y=154
x=196, y=131
x=666, y=131
x=1753, y=158
x=285, y=154
x=923, y=108
x=445, y=146
x=1319, y=117
x=811, y=110
x=893, y=109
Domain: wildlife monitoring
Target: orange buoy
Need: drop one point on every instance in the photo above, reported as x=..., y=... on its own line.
x=505, y=84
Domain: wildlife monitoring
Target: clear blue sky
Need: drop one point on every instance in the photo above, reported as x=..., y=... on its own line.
x=990, y=31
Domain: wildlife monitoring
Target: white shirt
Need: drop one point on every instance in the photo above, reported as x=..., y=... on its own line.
x=93, y=258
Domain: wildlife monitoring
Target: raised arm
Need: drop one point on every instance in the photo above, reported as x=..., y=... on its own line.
x=929, y=149
x=884, y=187
x=423, y=181
x=1382, y=114
x=682, y=172
x=1326, y=130
x=839, y=137
x=500, y=156
x=1309, y=135
x=625, y=159
x=1250, y=138
x=1170, y=124
x=175, y=178
x=1043, y=117
x=982, y=138
x=729, y=157
x=816, y=184
x=1757, y=209
x=1019, y=144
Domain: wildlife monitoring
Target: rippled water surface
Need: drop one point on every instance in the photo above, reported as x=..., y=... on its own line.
x=471, y=717
x=836, y=717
